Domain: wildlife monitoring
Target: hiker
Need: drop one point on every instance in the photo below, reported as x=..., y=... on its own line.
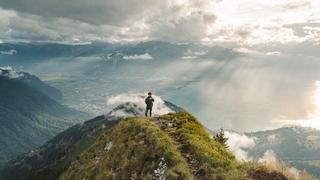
x=149, y=102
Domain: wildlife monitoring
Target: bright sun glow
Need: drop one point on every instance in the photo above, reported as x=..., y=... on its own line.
x=317, y=95
x=312, y=120
x=314, y=117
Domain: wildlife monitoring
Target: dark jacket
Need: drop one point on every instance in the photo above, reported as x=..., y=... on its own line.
x=149, y=101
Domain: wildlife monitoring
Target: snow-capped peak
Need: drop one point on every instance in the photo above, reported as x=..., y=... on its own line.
x=7, y=71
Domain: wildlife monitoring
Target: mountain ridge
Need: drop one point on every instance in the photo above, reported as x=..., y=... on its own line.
x=173, y=145
x=79, y=136
x=295, y=146
x=32, y=81
x=29, y=118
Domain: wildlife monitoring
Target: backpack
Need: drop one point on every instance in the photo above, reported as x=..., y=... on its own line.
x=149, y=101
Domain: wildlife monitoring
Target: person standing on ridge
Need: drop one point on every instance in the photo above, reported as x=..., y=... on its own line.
x=149, y=102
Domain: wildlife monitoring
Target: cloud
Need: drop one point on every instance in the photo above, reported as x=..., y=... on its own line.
x=145, y=56
x=270, y=160
x=273, y=138
x=175, y=20
x=182, y=26
x=98, y=12
x=273, y=53
x=9, y=52
x=19, y=26
x=310, y=31
x=296, y=4
x=108, y=20
x=269, y=27
x=246, y=51
x=268, y=157
x=7, y=71
x=136, y=101
x=193, y=54
x=239, y=144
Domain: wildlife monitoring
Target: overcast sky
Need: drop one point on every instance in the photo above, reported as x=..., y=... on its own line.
x=244, y=22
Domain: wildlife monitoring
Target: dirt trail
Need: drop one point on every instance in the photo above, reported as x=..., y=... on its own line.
x=171, y=128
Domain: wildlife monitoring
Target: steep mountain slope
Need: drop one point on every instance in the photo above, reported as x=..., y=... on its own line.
x=172, y=146
x=32, y=81
x=296, y=146
x=50, y=160
x=28, y=118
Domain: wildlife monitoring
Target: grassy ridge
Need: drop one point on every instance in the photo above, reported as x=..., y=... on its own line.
x=138, y=147
x=213, y=160
x=173, y=146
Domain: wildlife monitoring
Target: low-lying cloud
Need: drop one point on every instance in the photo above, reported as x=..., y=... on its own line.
x=239, y=144
x=270, y=160
x=145, y=56
x=9, y=72
x=9, y=52
x=136, y=100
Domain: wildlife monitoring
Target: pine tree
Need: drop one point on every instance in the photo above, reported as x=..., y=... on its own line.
x=220, y=137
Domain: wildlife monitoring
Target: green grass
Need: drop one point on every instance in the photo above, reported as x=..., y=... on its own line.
x=138, y=146
x=214, y=160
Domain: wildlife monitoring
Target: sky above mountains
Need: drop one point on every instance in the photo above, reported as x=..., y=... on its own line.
x=242, y=22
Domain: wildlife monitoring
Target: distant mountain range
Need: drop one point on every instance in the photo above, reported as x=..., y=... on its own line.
x=29, y=113
x=28, y=52
x=296, y=146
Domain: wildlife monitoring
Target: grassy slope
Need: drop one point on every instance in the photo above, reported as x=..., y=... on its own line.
x=54, y=157
x=138, y=144
x=137, y=148
x=174, y=146
x=208, y=158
